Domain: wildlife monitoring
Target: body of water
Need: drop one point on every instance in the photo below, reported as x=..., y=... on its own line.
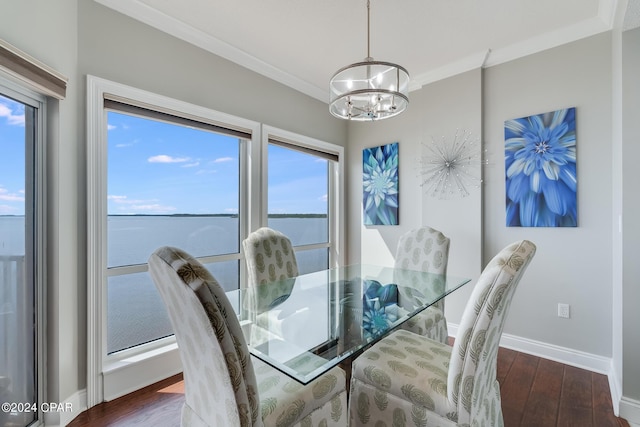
x=135, y=312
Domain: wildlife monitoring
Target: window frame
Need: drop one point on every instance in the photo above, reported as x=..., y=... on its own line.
x=35, y=179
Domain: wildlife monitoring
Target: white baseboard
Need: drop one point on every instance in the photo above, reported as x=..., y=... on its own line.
x=70, y=408
x=615, y=388
x=567, y=356
x=630, y=411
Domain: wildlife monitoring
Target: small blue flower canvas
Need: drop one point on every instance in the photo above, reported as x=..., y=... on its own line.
x=540, y=169
x=380, y=185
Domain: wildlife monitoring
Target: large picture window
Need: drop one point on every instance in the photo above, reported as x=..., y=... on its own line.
x=165, y=172
x=167, y=184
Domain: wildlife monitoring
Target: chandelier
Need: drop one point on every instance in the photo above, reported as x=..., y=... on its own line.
x=369, y=90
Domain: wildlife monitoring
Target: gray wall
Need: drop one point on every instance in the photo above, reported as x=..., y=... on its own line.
x=572, y=265
x=578, y=74
x=631, y=213
x=118, y=48
x=80, y=38
x=48, y=32
x=437, y=110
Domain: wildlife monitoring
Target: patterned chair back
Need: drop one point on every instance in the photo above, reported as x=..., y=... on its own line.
x=423, y=249
x=269, y=256
x=220, y=384
x=472, y=370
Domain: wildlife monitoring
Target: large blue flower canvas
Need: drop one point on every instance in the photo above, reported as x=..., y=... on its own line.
x=380, y=185
x=540, y=167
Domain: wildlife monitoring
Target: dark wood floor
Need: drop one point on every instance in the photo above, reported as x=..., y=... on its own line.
x=535, y=392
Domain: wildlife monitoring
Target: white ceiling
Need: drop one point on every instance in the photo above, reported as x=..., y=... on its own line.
x=301, y=43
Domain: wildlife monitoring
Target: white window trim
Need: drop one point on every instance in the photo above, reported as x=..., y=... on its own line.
x=27, y=96
x=106, y=381
x=336, y=187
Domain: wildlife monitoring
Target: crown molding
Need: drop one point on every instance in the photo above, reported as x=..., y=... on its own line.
x=463, y=65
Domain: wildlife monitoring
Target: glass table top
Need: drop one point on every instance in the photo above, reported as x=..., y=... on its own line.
x=306, y=325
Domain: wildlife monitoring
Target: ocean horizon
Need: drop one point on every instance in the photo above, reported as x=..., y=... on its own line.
x=132, y=299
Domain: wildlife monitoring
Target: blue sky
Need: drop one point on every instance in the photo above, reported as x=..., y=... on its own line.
x=160, y=168
x=12, y=170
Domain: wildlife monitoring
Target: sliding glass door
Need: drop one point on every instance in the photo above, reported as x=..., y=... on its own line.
x=19, y=257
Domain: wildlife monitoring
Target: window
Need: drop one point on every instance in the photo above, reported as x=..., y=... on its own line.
x=167, y=184
x=21, y=250
x=165, y=172
x=303, y=181
x=161, y=172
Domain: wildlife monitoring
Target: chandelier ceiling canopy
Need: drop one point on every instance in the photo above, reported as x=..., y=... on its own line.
x=369, y=90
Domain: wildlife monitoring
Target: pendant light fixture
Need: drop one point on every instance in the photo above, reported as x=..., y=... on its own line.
x=369, y=90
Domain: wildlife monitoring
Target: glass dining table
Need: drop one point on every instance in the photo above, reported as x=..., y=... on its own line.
x=308, y=324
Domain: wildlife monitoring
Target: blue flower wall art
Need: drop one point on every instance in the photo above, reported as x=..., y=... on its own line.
x=380, y=185
x=540, y=167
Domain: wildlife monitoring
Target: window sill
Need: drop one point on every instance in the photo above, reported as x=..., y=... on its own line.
x=133, y=372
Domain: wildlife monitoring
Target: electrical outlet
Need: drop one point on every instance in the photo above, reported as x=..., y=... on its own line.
x=563, y=310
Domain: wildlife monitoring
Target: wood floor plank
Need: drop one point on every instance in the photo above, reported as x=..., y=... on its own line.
x=541, y=408
x=505, y=360
x=516, y=387
x=576, y=402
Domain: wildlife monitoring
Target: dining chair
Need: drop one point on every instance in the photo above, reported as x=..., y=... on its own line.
x=408, y=377
x=425, y=249
x=224, y=385
x=270, y=259
x=269, y=256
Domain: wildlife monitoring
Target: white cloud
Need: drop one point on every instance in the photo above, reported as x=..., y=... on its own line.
x=206, y=171
x=323, y=198
x=137, y=205
x=163, y=158
x=6, y=196
x=223, y=159
x=117, y=199
x=153, y=208
x=12, y=118
x=191, y=165
x=111, y=127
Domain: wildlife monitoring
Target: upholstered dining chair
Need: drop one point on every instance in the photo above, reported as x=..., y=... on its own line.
x=269, y=256
x=224, y=385
x=409, y=379
x=425, y=249
x=270, y=259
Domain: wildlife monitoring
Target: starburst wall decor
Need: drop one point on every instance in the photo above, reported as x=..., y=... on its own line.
x=450, y=169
